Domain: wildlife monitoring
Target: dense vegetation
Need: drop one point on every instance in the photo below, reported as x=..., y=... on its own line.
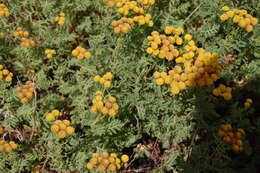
x=129, y=86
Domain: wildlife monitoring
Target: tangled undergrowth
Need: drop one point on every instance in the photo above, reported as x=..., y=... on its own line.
x=129, y=86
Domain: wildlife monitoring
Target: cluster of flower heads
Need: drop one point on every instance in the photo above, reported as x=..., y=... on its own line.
x=27, y=43
x=146, y=3
x=53, y=114
x=5, y=74
x=241, y=17
x=62, y=128
x=60, y=19
x=4, y=11
x=167, y=46
x=7, y=146
x=104, y=80
x=232, y=137
x=81, y=53
x=104, y=106
x=126, y=6
x=2, y=130
x=25, y=92
x=49, y=53
x=224, y=91
x=195, y=66
x=122, y=25
x=20, y=32
x=130, y=7
x=248, y=102
x=107, y=162
x=144, y=19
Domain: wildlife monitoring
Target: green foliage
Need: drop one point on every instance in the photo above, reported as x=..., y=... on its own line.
x=184, y=126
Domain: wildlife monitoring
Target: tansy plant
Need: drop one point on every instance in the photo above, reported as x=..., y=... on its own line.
x=154, y=88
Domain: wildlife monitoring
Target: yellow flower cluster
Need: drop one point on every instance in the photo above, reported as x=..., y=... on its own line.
x=122, y=25
x=106, y=162
x=60, y=19
x=27, y=43
x=195, y=66
x=105, y=106
x=232, y=137
x=146, y=3
x=25, y=93
x=49, y=53
x=21, y=33
x=4, y=11
x=144, y=19
x=5, y=74
x=7, y=147
x=81, y=53
x=62, y=128
x=179, y=78
x=222, y=90
x=2, y=130
x=124, y=7
x=248, y=103
x=104, y=80
x=241, y=17
x=53, y=114
x=166, y=46
x=170, y=79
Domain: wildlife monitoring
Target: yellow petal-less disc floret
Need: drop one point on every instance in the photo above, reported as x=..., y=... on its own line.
x=248, y=102
x=70, y=130
x=225, y=8
x=55, y=128
x=125, y=158
x=188, y=37
x=50, y=117
x=61, y=134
